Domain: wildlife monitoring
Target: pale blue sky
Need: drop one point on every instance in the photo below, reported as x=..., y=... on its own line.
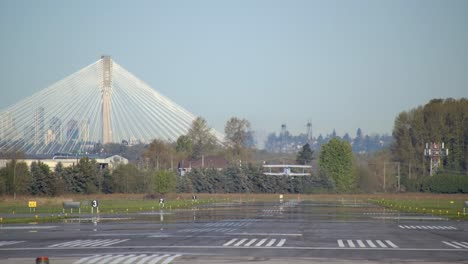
x=341, y=64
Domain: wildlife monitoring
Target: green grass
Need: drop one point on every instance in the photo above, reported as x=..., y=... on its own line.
x=49, y=209
x=444, y=207
x=32, y=220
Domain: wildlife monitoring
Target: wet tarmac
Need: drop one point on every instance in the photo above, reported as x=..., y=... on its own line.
x=292, y=231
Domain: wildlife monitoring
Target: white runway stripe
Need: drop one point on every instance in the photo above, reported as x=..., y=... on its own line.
x=240, y=242
x=123, y=258
x=107, y=260
x=450, y=244
x=341, y=244
x=460, y=244
x=371, y=244
x=391, y=244
x=5, y=243
x=170, y=259
x=245, y=242
x=362, y=243
x=281, y=243
x=197, y=230
x=157, y=259
x=261, y=242
x=230, y=242
x=381, y=243
x=83, y=260
x=271, y=243
x=90, y=243
x=425, y=227
x=227, y=224
x=128, y=259
x=98, y=258
x=133, y=259
x=250, y=242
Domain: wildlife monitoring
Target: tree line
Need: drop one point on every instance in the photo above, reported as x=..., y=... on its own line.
x=336, y=168
x=440, y=120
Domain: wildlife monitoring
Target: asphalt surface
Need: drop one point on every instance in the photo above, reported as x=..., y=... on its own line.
x=289, y=232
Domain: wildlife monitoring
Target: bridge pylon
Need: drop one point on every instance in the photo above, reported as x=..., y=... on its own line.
x=106, y=91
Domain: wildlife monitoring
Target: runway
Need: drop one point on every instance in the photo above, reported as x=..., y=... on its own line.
x=291, y=232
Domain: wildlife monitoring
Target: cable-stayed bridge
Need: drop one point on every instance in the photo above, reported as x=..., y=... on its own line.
x=99, y=104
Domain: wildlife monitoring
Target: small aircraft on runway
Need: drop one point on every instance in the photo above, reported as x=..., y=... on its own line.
x=285, y=170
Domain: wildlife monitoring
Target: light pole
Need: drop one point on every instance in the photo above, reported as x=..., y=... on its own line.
x=14, y=180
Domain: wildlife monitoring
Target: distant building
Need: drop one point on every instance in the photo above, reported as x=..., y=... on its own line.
x=56, y=127
x=84, y=131
x=50, y=136
x=72, y=130
x=67, y=161
x=6, y=126
x=39, y=128
x=213, y=162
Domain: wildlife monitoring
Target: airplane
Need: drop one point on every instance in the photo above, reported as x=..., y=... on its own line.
x=287, y=170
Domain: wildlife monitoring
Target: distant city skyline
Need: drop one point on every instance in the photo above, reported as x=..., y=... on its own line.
x=342, y=65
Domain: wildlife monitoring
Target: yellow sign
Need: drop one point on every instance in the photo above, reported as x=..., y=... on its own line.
x=32, y=204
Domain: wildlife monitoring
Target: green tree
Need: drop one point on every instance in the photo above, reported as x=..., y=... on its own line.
x=15, y=178
x=184, y=145
x=83, y=177
x=336, y=162
x=202, y=138
x=89, y=170
x=305, y=156
x=159, y=155
x=127, y=178
x=164, y=181
x=41, y=179
x=440, y=120
x=237, y=133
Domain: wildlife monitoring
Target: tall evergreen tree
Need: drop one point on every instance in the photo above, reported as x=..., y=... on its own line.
x=305, y=156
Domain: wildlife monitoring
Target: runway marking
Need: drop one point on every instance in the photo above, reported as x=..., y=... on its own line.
x=263, y=234
x=128, y=259
x=455, y=244
x=6, y=243
x=227, y=224
x=88, y=243
x=391, y=244
x=281, y=243
x=261, y=242
x=371, y=244
x=26, y=227
x=240, y=242
x=199, y=230
x=427, y=227
x=271, y=243
x=382, y=213
x=246, y=242
x=223, y=247
x=230, y=242
x=341, y=244
x=250, y=242
x=360, y=244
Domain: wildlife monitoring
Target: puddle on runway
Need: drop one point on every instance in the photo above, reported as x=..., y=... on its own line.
x=266, y=211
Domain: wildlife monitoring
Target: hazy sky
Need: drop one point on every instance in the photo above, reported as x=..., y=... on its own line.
x=340, y=64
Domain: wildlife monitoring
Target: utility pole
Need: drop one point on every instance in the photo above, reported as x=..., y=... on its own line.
x=435, y=151
x=384, y=188
x=409, y=171
x=398, y=176
x=14, y=180
x=398, y=171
